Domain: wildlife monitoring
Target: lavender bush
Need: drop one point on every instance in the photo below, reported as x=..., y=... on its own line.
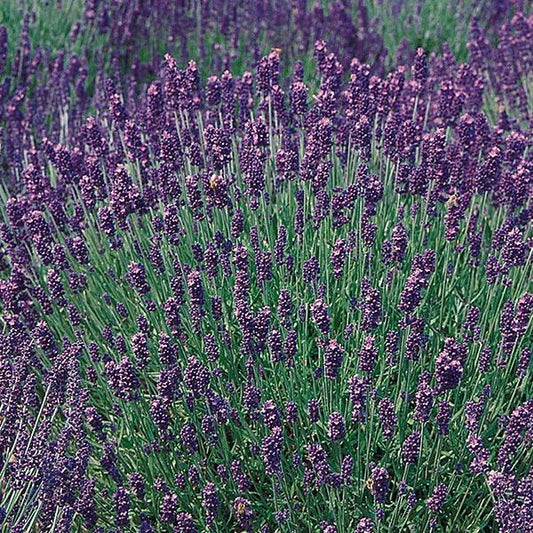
x=273, y=299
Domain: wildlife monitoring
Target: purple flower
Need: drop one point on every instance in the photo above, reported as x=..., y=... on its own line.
x=515, y=433
x=321, y=317
x=338, y=257
x=275, y=343
x=421, y=270
x=188, y=438
x=336, y=426
x=122, y=378
x=251, y=397
x=174, y=184
x=424, y=398
x=368, y=355
x=271, y=449
x=122, y=507
x=196, y=291
x=239, y=477
x=169, y=508
x=136, y=276
x=420, y=70
x=449, y=365
x=514, y=250
x=388, y=418
x=78, y=249
x=471, y=320
x=379, y=484
x=137, y=485
x=211, y=502
x=444, y=415
x=347, y=466
x=243, y=512
x=480, y=460
x=492, y=269
x=365, y=525
x=291, y=412
x=85, y=505
x=391, y=344
x=523, y=363
x=55, y=285
x=298, y=98
x=160, y=415
x=211, y=348
x=271, y=415
x=314, y=409
x=368, y=231
x=333, y=358
x=399, y=240
x=318, y=461
x=473, y=413
x=285, y=307
x=263, y=266
x=370, y=306
x=139, y=347
x=184, y=524
x=282, y=516
x=279, y=245
x=196, y=377
x=411, y=448
x=311, y=270
x=524, y=308
x=358, y=391
x=435, y=502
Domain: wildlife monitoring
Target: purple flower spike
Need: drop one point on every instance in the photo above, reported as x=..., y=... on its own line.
x=337, y=427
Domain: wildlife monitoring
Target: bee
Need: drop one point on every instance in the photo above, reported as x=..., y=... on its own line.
x=451, y=200
x=214, y=181
x=276, y=51
x=241, y=509
x=370, y=485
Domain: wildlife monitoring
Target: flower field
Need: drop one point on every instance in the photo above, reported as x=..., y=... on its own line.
x=266, y=267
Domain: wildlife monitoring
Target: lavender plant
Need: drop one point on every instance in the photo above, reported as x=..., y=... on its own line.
x=253, y=302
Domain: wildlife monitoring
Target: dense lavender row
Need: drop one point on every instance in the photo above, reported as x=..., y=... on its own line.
x=261, y=304
x=54, y=64
x=47, y=92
